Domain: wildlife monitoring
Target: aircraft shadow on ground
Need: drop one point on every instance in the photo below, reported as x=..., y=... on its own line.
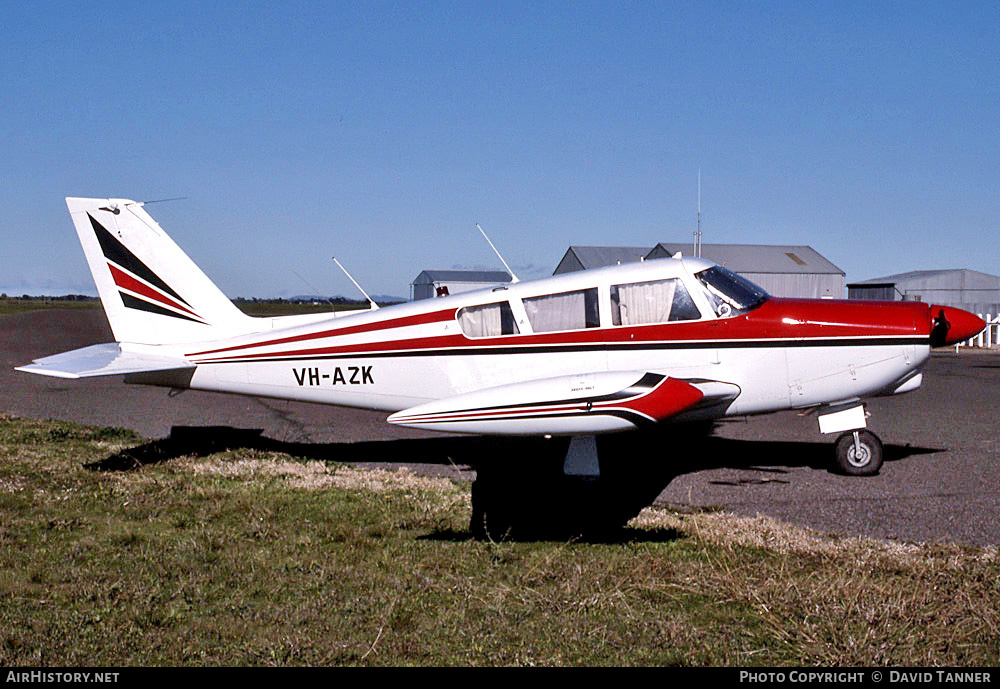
x=520, y=491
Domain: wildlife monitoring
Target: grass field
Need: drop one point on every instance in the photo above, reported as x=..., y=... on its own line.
x=114, y=553
x=279, y=309
x=11, y=305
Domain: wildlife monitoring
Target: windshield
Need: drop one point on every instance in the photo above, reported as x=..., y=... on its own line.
x=728, y=293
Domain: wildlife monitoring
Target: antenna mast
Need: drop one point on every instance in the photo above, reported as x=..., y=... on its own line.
x=312, y=287
x=697, y=235
x=513, y=278
x=370, y=300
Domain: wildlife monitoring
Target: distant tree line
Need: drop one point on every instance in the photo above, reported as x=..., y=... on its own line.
x=338, y=301
x=64, y=297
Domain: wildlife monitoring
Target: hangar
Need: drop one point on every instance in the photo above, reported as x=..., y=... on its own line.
x=784, y=271
x=584, y=257
x=966, y=289
x=441, y=283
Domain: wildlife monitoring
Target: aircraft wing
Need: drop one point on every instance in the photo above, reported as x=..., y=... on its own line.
x=567, y=405
x=103, y=360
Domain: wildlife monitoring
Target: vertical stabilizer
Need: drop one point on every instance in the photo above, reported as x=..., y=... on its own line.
x=151, y=291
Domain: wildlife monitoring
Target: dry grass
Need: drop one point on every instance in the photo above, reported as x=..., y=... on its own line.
x=850, y=601
x=313, y=475
x=727, y=530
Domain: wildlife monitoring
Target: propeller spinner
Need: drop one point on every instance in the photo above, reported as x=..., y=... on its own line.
x=950, y=325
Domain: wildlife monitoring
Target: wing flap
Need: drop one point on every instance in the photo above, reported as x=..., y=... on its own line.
x=103, y=360
x=565, y=405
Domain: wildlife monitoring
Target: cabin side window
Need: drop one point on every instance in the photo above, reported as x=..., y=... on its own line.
x=488, y=320
x=656, y=301
x=565, y=311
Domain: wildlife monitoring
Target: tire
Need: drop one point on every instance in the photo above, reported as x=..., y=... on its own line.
x=867, y=462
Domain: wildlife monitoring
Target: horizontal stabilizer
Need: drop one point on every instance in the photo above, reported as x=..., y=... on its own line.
x=103, y=360
x=567, y=405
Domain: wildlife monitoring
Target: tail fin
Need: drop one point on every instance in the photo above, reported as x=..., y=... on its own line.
x=151, y=291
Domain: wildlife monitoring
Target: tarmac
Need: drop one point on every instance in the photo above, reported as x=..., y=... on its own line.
x=940, y=481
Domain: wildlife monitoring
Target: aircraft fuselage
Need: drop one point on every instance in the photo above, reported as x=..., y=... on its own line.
x=781, y=353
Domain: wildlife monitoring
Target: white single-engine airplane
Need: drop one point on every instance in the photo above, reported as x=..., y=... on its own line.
x=596, y=351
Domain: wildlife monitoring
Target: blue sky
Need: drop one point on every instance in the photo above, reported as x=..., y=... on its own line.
x=382, y=132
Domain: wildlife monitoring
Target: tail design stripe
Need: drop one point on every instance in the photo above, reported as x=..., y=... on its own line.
x=143, y=294
x=116, y=251
x=143, y=305
x=141, y=289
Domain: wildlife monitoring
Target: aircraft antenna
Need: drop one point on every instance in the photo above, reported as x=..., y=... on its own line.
x=313, y=288
x=697, y=240
x=370, y=300
x=513, y=278
x=175, y=198
x=139, y=204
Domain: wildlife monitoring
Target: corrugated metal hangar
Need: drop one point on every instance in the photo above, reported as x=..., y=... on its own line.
x=784, y=271
x=584, y=257
x=441, y=283
x=967, y=289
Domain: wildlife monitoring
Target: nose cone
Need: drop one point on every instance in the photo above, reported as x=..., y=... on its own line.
x=950, y=325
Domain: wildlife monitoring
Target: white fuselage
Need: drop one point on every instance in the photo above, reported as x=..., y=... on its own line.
x=782, y=355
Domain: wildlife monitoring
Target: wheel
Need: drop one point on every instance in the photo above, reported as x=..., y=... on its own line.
x=861, y=456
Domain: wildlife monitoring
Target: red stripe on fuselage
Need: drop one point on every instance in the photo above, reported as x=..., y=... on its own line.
x=791, y=319
x=419, y=319
x=775, y=320
x=386, y=346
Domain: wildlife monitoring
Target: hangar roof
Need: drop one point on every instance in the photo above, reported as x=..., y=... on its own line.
x=957, y=276
x=428, y=277
x=584, y=257
x=756, y=258
x=746, y=258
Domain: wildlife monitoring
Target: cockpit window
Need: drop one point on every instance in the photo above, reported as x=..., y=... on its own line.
x=489, y=320
x=728, y=293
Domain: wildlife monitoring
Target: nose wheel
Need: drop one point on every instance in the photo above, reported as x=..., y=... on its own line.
x=859, y=453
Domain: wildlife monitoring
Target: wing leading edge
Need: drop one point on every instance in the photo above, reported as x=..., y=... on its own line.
x=578, y=404
x=103, y=360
